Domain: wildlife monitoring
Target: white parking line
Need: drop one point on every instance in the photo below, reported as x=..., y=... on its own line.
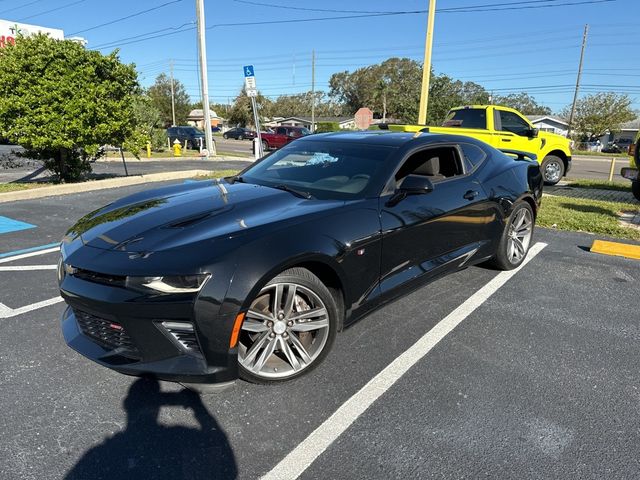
x=30, y=254
x=6, y=312
x=301, y=457
x=27, y=267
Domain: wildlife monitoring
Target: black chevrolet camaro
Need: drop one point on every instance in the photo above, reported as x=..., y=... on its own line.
x=253, y=275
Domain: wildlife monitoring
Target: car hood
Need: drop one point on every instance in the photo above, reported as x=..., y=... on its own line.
x=554, y=138
x=174, y=217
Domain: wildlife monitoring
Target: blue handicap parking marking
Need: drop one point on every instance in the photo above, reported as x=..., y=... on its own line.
x=8, y=225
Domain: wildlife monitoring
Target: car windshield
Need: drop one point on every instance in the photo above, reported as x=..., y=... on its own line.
x=305, y=131
x=337, y=171
x=194, y=131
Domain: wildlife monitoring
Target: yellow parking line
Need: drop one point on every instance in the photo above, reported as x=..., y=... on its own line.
x=616, y=249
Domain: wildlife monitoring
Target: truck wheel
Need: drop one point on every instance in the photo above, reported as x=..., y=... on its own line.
x=635, y=189
x=552, y=169
x=265, y=146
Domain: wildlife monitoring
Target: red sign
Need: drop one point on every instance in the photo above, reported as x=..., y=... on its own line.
x=364, y=117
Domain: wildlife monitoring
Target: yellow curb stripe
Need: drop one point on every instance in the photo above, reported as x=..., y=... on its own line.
x=616, y=249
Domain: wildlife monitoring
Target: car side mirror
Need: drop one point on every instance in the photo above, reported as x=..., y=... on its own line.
x=415, y=185
x=533, y=132
x=411, y=185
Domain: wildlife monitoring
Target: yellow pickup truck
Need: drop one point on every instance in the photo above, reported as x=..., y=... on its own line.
x=505, y=128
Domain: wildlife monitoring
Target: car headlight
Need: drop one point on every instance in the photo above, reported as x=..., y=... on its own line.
x=169, y=283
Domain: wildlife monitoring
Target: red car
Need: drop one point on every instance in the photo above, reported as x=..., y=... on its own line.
x=281, y=136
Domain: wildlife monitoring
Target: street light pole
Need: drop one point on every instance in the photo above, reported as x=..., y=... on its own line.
x=426, y=67
x=202, y=49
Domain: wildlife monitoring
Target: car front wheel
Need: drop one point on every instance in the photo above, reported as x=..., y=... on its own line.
x=516, y=238
x=288, y=329
x=552, y=169
x=225, y=136
x=635, y=189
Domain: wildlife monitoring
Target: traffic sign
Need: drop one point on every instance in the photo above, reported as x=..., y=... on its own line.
x=248, y=71
x=363, y=117
x=250, y=83
x=252, y=92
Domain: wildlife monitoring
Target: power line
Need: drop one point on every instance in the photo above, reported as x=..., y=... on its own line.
x=289, y=7
x=117, y=20
x=52, y=10
x=21, y=6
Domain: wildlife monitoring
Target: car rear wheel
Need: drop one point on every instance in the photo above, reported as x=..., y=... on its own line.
x=225, y=136
x=265, y=146
x=552, y=169
x=516, y=238
x=288, y=329
x=635, y=188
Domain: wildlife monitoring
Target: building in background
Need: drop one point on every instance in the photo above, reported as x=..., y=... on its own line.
x=9, y=31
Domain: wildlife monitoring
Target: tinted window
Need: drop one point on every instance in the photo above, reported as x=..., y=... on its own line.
x=437, y=163
x=467, y=118
x=281, y=131
x=512, y=122
x=326, y=170
x=473, y=155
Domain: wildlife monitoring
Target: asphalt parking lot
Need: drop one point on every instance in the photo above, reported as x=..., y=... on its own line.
x=538, y=379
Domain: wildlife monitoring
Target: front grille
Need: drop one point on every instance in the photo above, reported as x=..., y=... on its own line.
x=103, y=278
x=105, y=332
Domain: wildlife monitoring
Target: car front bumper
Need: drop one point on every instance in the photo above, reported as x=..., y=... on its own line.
x=133, y=335
x=568, y=169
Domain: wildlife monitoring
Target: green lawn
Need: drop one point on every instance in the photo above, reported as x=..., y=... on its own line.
x=598, y=154
x=13, y=187
x=581, y=215
x=217, y=174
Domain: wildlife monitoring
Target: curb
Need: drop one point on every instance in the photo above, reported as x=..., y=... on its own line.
x=224, y=158
x=69, y=188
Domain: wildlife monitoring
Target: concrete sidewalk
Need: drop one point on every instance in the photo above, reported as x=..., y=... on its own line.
x=591, y=193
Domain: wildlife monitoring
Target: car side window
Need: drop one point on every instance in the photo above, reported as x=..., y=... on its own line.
x=437, y=163
x=513, y=123
x=473, y=156
x=281, y=131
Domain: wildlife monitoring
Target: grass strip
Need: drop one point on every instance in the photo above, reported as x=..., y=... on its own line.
x=583, y=215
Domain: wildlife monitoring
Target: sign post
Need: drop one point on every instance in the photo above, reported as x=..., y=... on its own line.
x=252, y=93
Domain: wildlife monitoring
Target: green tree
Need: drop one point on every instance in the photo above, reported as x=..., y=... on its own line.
x=160, y=95
x=300, y=105
x=149, y=126
x=62, y=102
x=241, y=112
x=600, y=113
x=523, y=102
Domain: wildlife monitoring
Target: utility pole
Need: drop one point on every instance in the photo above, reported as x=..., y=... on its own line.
x=313, y=91
x=575, y=95
x=173, y=98
x=426, y=67
x=202, y=49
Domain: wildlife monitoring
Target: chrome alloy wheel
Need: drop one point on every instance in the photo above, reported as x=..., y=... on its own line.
x=552, y=172
x=284, y=331
x=520, y=231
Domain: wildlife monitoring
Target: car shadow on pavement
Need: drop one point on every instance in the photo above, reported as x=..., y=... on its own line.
x=148, y=450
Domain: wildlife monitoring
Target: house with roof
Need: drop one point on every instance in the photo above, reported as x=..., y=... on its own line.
x=345, y=123
x=550, y=123
x=196, y=119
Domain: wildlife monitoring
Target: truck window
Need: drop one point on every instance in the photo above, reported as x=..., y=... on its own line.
x=467, y=118
x=512, y=122
x=281, y=131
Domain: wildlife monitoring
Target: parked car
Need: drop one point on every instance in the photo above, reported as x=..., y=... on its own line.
x=632, y=172
x=191, y=135
x=280, y=136
x=239, y=133
x=505, y=128
x=253, y=275
x=618, y=146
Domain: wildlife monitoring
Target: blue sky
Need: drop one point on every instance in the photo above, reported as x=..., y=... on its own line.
x=509, y=47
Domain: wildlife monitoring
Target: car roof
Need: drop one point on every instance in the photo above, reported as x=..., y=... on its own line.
x=386, y=138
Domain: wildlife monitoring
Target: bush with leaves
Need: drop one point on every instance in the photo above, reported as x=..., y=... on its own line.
x=62, y=102
x=322, y=127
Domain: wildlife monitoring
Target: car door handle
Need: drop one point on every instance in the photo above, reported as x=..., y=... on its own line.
x=470, y=195
x=506, y=139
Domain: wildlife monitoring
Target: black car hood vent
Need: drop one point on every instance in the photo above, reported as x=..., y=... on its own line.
x=187, y=222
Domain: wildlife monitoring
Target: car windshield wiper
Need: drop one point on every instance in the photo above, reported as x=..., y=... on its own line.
x=295, y=191
x=235, y=178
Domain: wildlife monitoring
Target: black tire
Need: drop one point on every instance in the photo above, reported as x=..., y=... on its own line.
x=240, y=137
x=552, y=169
x=225, y=136
x=265, y=146
x=502, y=260
x=300, y=277
x=635, y=189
